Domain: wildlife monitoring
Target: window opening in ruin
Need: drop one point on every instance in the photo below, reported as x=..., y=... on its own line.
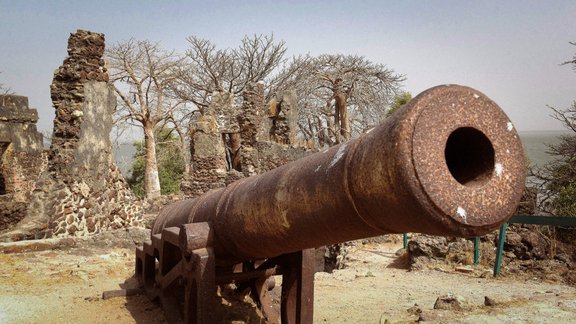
x=232, y=145
x=3, y=150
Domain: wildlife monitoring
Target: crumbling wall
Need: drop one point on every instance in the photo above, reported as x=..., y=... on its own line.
x=283, y=113
x=208, y=158
x=223, y=151
x=249, y=120
x=21, y=157
x=82, y=191
x=223, y=109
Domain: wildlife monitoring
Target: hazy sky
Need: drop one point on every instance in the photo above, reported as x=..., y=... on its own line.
x=510, y=50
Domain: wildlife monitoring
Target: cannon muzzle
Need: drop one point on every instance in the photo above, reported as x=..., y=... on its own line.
x=447, y=163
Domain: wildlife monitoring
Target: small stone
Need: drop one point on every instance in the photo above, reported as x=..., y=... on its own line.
x=400, y=252
x=431, y=316
x=464, y=269
x=563, y=257
x=487, y=273
x=77, y=113
x=414, y=310
x=489, y=301
x=72, y=229
x=450, y=302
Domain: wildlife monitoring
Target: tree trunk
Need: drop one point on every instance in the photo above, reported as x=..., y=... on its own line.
x=183, y=148
x=151, y=178
x=342, y=112
x=336, y=126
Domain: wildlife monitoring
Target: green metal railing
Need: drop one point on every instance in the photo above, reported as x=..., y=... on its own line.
x=565, y=221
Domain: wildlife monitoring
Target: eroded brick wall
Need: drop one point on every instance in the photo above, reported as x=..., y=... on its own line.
x=208, y=158
x=211, y=165
x=284, y=118
x=21, y=158
x=82, y=191
x=250, y=120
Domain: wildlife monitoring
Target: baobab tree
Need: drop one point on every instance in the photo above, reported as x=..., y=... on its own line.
x=143, y=74
x=339, y=95
x=207, y=70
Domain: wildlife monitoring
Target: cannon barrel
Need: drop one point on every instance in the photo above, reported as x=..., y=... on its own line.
x=447, y=163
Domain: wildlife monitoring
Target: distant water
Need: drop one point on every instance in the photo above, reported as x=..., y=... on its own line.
x=535, y=145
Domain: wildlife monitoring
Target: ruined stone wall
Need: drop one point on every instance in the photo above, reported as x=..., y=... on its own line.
x=83, y=64
x=82, y=191
x=211, y=165
x=284, y=118
x=249, y=120
x=223, y=109
x=208, y=158
x=21, y=170
x=18, y=124
x=20, y=146
x=21, y=157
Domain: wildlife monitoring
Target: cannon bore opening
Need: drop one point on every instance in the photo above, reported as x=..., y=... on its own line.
x=469, y=156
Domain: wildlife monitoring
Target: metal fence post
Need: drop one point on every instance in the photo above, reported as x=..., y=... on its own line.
x=501, y=239
x=476, y=250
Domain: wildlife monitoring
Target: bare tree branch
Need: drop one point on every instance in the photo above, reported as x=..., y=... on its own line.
x=351, y=92
x=208, y=69
x=556, y=181
x=4, y=90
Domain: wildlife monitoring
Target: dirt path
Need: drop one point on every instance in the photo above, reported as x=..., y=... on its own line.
x=65, y=286
x=376, y=287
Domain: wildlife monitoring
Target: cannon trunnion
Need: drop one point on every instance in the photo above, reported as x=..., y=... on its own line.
x=448, y=163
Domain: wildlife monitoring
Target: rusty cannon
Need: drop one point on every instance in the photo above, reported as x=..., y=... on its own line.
x=448, y=163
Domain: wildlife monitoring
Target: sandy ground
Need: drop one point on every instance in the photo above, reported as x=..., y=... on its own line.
x=65, y=286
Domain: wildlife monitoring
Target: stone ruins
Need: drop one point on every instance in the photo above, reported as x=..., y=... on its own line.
x=75, y=188
x=80, y=191
x=229, y=142
x=21, y=157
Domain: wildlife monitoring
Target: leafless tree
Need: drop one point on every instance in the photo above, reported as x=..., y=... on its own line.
x=339, y=95
x=556, y=180
x=143, y=74
x=208, y=69
x=4, y=90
